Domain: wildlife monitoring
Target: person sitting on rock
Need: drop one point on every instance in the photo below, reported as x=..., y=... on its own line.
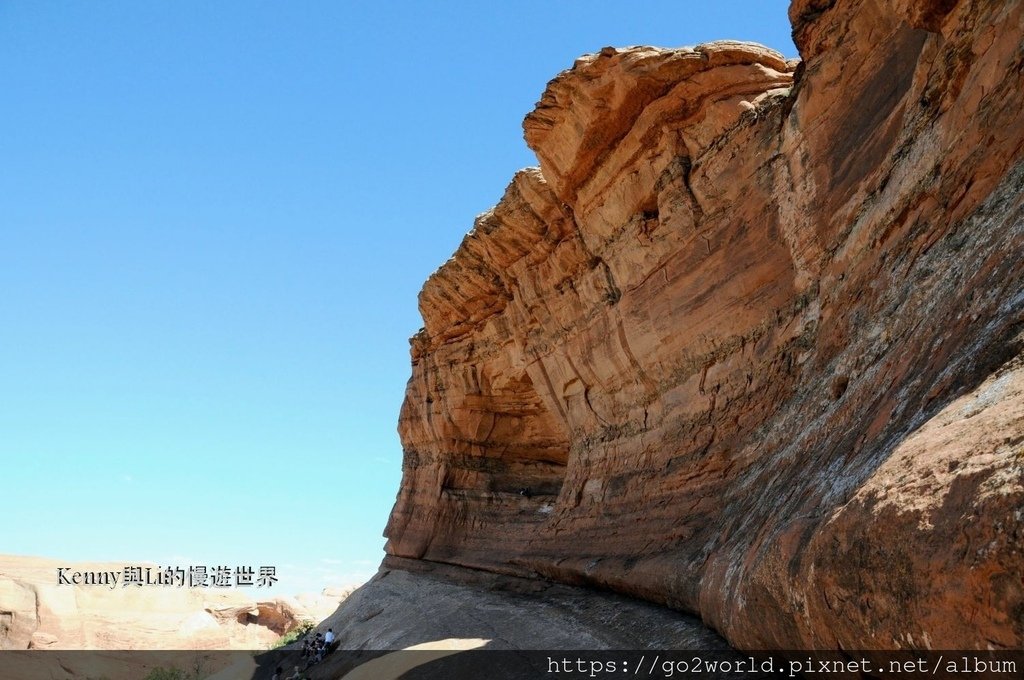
x=297, y=675
x=329, y=637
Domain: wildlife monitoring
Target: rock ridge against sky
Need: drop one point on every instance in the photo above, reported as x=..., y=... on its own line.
x=748, y=342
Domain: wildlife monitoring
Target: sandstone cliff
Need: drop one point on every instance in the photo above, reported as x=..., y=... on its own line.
x=748, y=342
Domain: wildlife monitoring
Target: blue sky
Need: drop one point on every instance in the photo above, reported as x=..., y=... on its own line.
x=214, y=222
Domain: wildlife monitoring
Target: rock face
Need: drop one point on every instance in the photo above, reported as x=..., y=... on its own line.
x=410, y=603
x=748, y=343
x=417, y=605
x=37, y=613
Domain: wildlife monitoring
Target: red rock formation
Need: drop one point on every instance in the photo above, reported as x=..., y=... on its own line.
x=748, y=342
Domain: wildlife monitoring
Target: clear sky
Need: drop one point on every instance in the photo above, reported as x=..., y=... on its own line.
x=215, y=219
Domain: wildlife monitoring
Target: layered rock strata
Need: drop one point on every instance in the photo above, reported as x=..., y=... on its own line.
x=748, y=343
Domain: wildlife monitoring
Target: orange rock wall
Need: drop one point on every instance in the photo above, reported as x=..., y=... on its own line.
x=747, y=342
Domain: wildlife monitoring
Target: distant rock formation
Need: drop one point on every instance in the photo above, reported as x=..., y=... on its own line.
x=37, y=613
x=748, y=343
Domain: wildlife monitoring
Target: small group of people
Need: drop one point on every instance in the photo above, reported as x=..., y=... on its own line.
x=314, y=648
x=279, y=674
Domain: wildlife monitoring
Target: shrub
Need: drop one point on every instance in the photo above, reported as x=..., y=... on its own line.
x=293, y=635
